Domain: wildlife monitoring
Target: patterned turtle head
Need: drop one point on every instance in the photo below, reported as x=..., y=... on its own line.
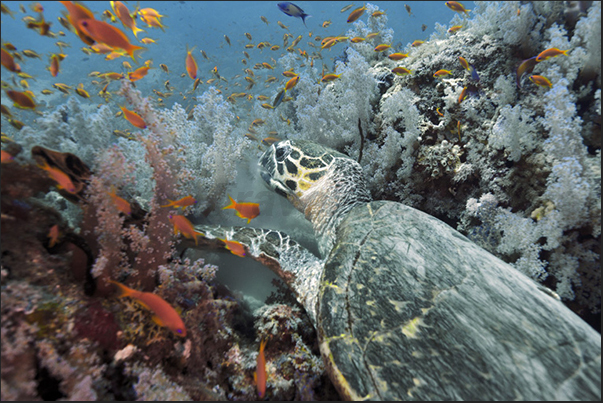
x=320, y=182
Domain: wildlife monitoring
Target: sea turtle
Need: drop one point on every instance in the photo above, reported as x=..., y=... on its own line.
x=405, y=306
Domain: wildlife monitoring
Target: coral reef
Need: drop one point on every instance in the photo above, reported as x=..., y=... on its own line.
x=527, y=147
x=514, y=166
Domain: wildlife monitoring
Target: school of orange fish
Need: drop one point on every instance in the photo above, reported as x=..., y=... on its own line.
x=104, y=37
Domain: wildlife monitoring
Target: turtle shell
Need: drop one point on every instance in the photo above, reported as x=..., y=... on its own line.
x=409, y=308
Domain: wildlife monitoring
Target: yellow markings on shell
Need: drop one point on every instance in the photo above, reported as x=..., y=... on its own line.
x=381, y=339
x=303, y=185
x=346, y=337
x=380, y=383
x=370, y=303
x=368, y=206
x=381, y=270
x=359, y=286
x=398, y=305
x=411, y=328
x=337, y=289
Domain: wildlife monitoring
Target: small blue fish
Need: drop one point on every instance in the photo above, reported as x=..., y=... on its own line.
x=293, y=10
x=279, y=98
x=474, y=75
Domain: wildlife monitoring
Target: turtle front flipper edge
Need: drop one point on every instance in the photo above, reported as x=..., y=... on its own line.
x=294, y=264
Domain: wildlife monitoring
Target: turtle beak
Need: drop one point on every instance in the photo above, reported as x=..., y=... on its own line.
x=273, y=184
x=267, y=165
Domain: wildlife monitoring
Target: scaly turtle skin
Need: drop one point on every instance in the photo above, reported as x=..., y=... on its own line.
x=405, y=306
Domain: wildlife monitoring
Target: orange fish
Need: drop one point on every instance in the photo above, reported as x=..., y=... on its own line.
x=138, y=73
x=184, y=202
x=165, y=314
x=122, y=12
x=260, y=374
x=400, y=71
x=464, y=62
x=417, y=43
x=455, y=28
x=55, y=66
x=330, y=43
x=121, y=203
x=53, y=235
x=540, y=81
x=526, y=67
x=291, y=83
x=441, y=73
x=6, y=157
x=397, y=56
x=289, y=74
x=329, y=77
x=23, y=100
x=354, y=15
x=382, y=47
x=184, y=226
x=63, y=180
x=106, y=33
x=246, y=211
x=81, y=91
x=8, y=61
x=78, y=12
x=456, y=6
x=235, y=247
x=149, y=12
x=111, y=76
x=191, y=64
x=152, y=21
x=463, y=95
x=552, y=52
x=133, y=118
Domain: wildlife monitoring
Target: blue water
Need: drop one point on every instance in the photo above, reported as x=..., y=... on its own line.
x=203, y=25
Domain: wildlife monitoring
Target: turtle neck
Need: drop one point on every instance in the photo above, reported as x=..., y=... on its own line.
x=330, y=199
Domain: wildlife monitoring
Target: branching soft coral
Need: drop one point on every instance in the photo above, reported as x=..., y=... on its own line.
x=73, y=127
x=333, y=120
x=514, y=131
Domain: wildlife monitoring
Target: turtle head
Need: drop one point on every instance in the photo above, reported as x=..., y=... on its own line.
x=320, y=182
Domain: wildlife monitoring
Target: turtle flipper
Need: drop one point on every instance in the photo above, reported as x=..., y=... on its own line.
x=294, y=264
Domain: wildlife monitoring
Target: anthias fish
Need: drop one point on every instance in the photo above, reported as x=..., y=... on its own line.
x=247, y=211
x=260, y=374
x=165, y=314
